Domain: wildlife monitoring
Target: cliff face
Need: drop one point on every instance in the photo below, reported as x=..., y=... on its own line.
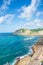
x=37, y=56
x=38, y=45
x=22, y=32
x=29, y=32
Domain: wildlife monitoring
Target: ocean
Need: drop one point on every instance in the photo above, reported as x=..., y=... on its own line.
x=12, y=46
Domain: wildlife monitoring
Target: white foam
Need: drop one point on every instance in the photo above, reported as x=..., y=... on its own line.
x=21, y=57
x=29, y=38
x=14, y=62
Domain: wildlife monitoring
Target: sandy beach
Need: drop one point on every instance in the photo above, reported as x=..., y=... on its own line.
x=37, y=56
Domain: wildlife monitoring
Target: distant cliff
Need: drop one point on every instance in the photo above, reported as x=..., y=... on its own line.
x=22, y=32
x=29, y=32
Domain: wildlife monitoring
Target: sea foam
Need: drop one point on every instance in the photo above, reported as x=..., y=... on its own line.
x=29, y=38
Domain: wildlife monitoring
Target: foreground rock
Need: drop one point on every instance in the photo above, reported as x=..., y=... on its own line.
x=36, y=58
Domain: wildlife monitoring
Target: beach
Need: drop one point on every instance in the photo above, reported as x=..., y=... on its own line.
x=36, y=57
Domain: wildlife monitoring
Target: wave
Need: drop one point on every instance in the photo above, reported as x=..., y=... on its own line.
x=21, y=57
x=10, y=54
x=15, y=60
x=29, y=38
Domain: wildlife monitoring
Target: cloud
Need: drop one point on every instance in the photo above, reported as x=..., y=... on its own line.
x=39, y=13
x=27, y=12
x=37, y=23
x=6, y=19
x=5, y=6
x=30, y=10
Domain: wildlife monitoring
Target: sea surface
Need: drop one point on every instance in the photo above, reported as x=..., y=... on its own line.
x=12, y=46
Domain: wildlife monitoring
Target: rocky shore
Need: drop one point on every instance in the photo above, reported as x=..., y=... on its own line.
x=35, y=58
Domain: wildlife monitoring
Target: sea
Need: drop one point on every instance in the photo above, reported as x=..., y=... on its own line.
x=13, y=46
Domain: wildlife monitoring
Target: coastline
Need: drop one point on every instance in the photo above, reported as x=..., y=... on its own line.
x=32, y=57
x=27, y=58
x=28, y=35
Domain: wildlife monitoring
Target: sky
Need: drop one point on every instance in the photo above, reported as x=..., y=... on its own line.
x=17, y=14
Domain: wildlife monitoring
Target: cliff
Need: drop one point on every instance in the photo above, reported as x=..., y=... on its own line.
x=27, y=32
x=36, y=57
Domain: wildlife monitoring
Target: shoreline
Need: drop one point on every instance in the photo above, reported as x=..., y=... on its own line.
x=27, y=35
x=29, y=55
x=36, y=57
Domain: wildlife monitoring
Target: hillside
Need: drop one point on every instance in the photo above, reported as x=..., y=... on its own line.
x=22, y=32
x=29, y=32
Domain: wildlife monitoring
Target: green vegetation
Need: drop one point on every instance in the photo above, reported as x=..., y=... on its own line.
x=23, y=30
x=33, y=31
x=42, y=62
x=36, y=30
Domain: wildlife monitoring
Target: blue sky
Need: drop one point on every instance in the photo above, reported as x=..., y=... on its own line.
x=16, y=14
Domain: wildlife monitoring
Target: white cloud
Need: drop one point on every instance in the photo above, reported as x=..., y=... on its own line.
x=10, y=19
x=37, y=23
x=39, y=13
x=28, y=11
x=5, y=6
x=7, y=18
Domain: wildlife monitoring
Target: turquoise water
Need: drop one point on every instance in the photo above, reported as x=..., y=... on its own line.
x=14, y=46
